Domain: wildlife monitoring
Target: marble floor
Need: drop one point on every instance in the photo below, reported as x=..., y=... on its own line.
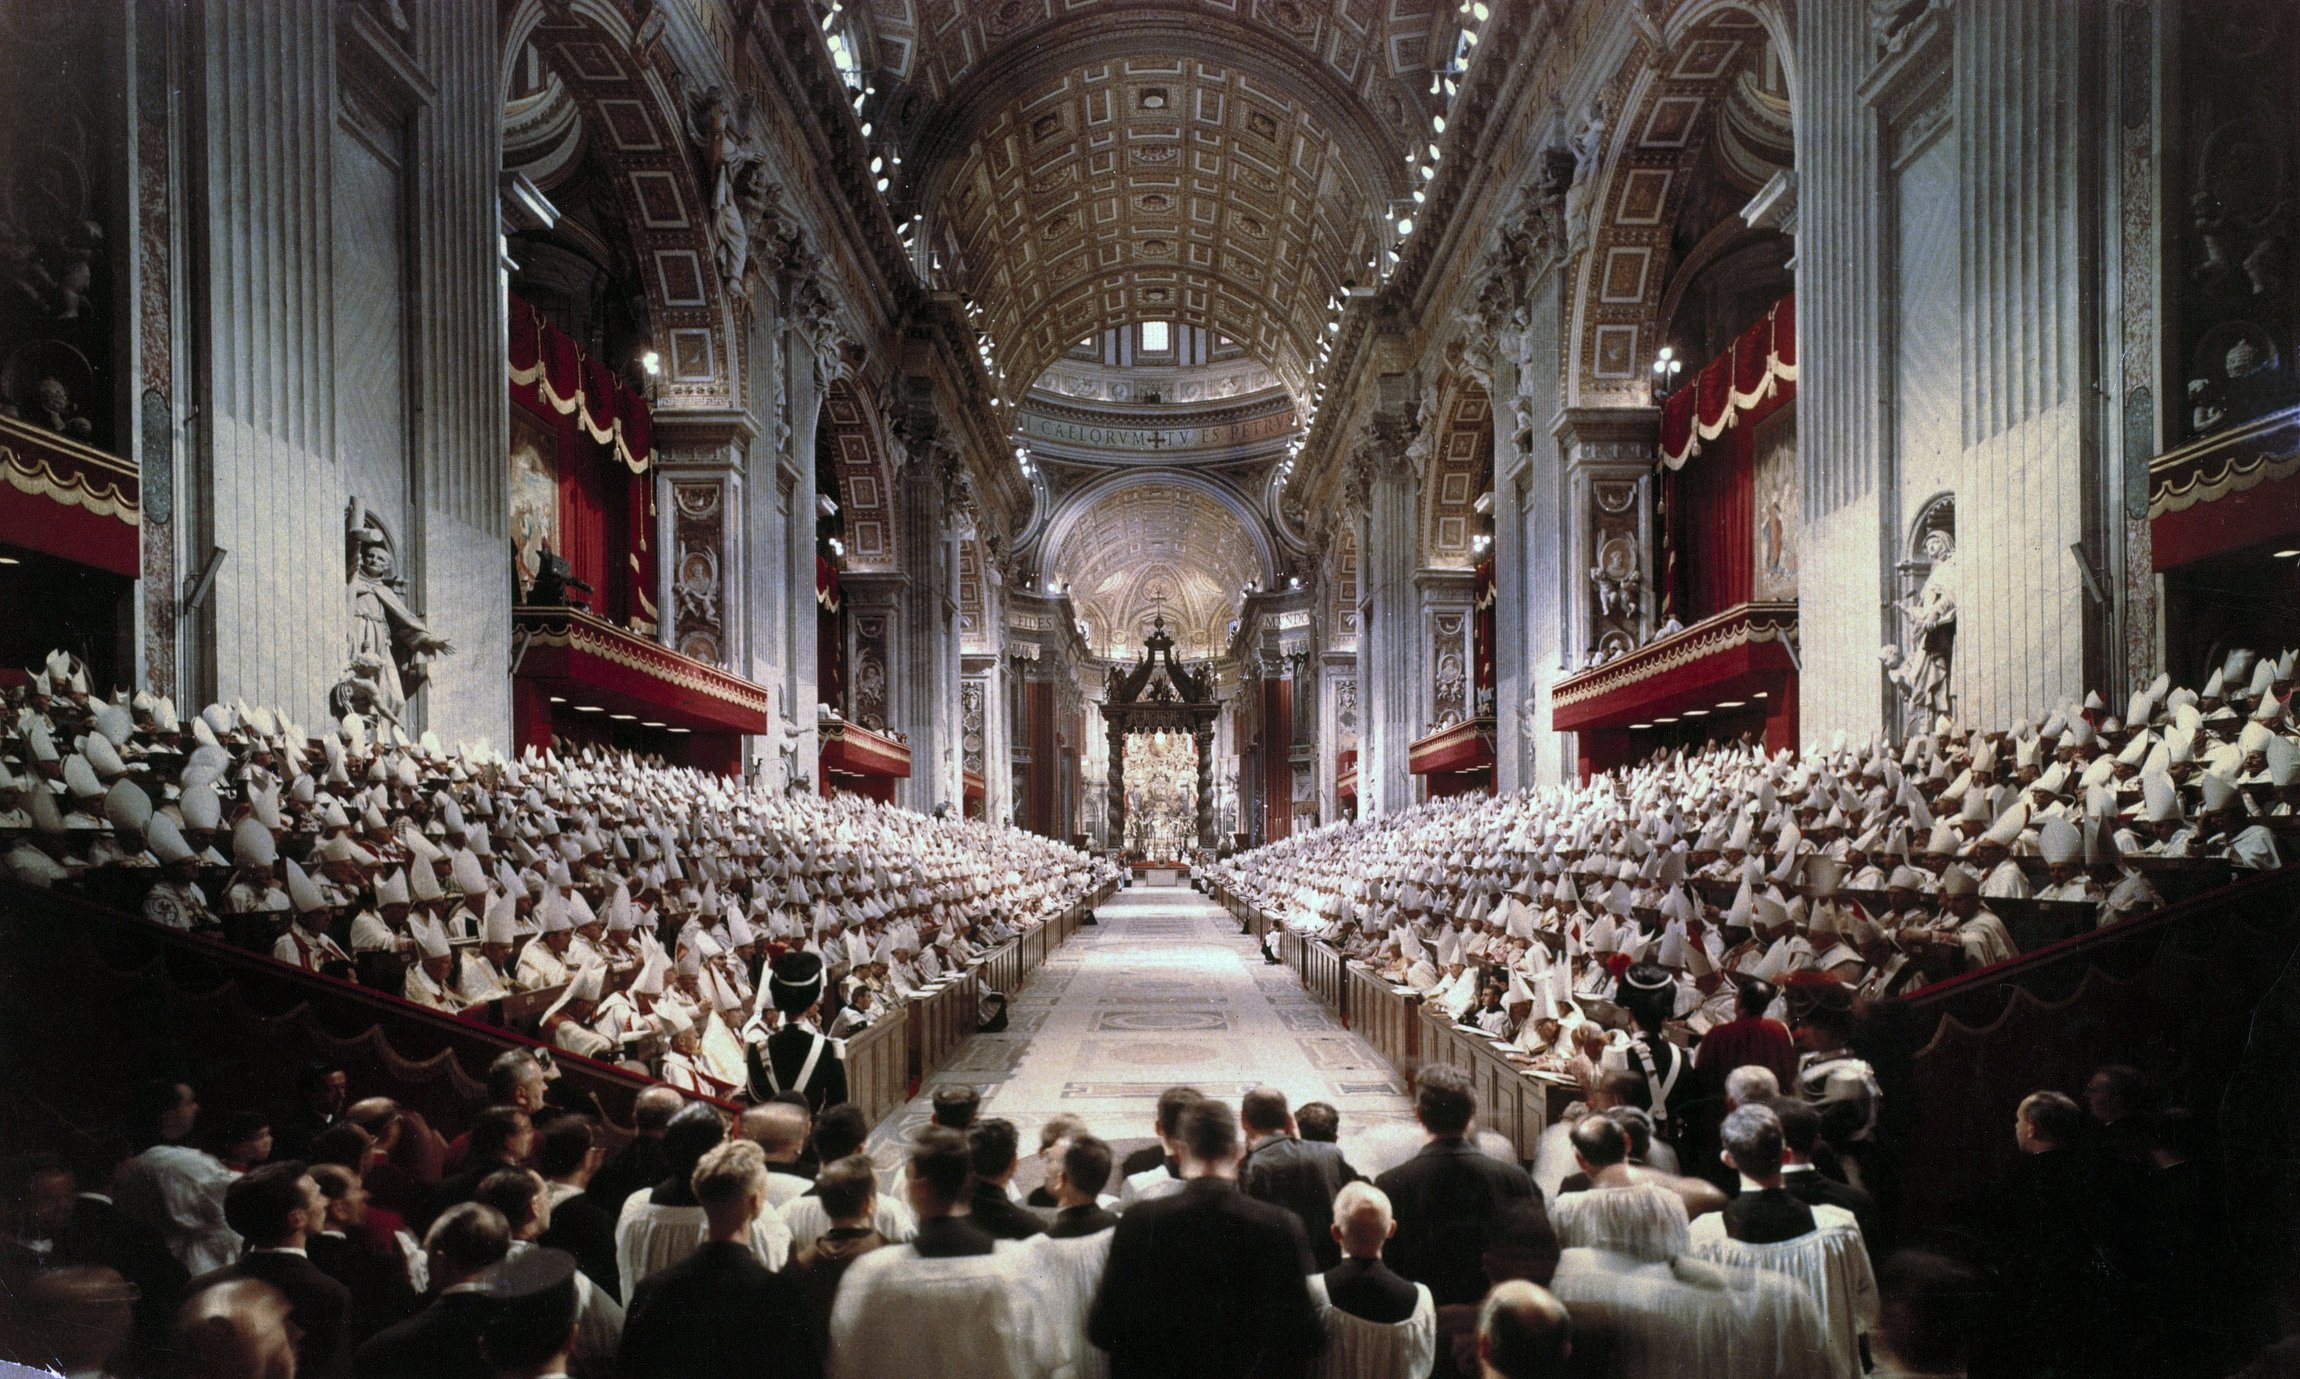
x=1163, y=990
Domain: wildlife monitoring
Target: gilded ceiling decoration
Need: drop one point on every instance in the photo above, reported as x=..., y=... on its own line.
x=1222, y=163
x=1150, y=548
x=1159, y=190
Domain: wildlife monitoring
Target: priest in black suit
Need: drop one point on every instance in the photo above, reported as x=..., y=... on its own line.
x=1287, y=1171
x=1764, y=1213
x=719, y=1311
x=47, y=1223
x=566, y=1155
x=1075, y=1181
x=275, y=1207
x=1451, y=1198
x=442, y=1341
x=1206, y=1281
x=1800, y=1133
x=993, y=1144
x=641, y=1162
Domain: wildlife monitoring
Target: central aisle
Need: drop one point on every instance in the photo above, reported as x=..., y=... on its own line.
x=1164, y=990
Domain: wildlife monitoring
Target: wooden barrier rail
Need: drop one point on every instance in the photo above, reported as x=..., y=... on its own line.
x=1387, y=1018
x=878, y=1064
x=1512, y=1100
x=934, y=1025
x=1323, y=973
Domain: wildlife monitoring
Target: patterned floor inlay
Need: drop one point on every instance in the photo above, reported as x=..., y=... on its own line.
x=1164, y=990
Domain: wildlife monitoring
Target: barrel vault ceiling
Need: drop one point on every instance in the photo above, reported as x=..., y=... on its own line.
x=1222, y=163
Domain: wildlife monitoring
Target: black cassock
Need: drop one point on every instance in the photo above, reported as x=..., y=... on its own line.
x=781, y=1064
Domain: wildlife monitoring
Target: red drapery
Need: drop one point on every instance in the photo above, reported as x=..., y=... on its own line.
x=67, y=499
x=553, y=371
x=1712, y=512
x=1754, y=369
x=605, y=461
x=1708, y=510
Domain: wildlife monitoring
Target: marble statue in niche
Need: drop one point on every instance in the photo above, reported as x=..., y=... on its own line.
x=1617, y=605
x=1921, y=674
x=392, y=649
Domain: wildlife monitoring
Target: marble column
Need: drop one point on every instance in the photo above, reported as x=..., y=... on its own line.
x=1531, y=646
x=925, y=667
x=1448, y=659
x=332, y=368
x=1608, y=460
x=700, y=481
x=777, y=642
x=1389, y=659
x=1337, y=726
x=979, y=723
x=1954, y=165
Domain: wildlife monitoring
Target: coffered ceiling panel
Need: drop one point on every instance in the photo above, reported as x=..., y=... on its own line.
x=1157, y=190
x=1360, y=43
x=1223, y=163
x=1155, y=548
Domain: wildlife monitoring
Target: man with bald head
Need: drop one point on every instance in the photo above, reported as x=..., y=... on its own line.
x=1523, y=1332
x=236, y=1328
x=1376, y=1323
x=780, y=1129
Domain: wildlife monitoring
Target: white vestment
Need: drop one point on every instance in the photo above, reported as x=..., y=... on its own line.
x=900, y=1314
x=1648, y=1319
x=651, y=1238
x=1829, y=1262
x=179, y=1191
x=807, y=1222
x=1149, y=1183
x=1067, y=1272
x=1360, y=1349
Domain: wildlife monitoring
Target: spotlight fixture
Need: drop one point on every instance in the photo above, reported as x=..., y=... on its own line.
x=652, y=363
x=1666, y=367
x=589, y=708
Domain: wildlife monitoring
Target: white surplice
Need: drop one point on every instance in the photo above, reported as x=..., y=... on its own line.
x=900, y=1315
x=1067, y=1272
x=1361, y=1349
x=651, y=1238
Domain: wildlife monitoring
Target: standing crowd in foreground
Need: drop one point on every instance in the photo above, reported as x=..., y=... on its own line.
x=349, y=1238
